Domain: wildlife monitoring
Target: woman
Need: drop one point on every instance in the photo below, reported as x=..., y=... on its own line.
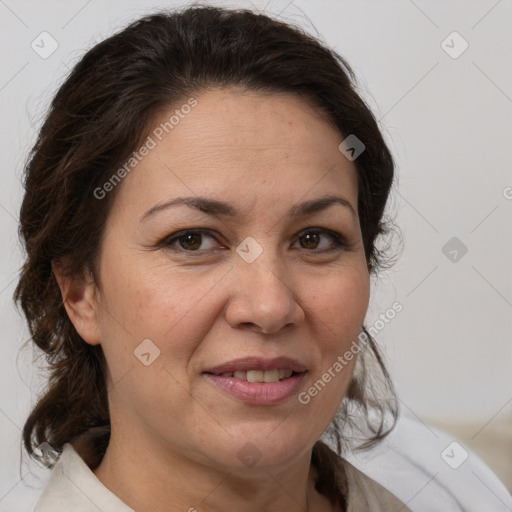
x=200, y=217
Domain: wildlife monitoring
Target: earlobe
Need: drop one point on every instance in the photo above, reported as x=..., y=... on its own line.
x=78, y=295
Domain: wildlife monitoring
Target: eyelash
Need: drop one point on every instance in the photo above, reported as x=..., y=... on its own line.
x=337, y=238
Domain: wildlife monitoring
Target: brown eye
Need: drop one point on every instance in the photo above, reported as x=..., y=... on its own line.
x=311, y=239
x=190, y=240
x=193, y=241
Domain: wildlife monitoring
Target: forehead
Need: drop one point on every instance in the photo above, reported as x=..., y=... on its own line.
x=253, y=147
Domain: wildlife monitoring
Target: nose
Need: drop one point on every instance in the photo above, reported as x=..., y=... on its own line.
x=262, y=300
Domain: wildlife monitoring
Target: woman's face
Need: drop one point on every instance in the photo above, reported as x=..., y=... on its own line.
x=252, y=277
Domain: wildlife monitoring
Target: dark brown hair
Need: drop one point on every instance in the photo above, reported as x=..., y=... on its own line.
x=98, y=118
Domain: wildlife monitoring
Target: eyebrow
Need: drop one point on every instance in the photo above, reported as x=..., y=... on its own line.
x=220, y=208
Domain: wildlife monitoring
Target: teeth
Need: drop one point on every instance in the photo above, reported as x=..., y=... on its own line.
x=273, y=375
x=284, y=374
x=254, y=376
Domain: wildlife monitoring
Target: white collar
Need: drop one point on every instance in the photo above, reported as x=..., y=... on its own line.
x=72, y=486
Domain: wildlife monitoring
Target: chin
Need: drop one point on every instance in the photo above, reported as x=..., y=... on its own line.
x=259, y=449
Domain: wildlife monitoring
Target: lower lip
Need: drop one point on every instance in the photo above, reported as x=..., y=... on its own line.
x=258, y=393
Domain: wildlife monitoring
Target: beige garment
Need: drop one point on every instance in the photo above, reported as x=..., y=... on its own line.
x=366, y=495
x=73, y=487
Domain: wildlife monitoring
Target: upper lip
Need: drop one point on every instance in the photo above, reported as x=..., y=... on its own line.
x=257, y=363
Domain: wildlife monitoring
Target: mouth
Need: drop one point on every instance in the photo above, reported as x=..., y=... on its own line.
x=258, y=381
x=273, y=375
x=258, y=364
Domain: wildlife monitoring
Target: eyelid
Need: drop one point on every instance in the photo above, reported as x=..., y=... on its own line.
x=338, y=240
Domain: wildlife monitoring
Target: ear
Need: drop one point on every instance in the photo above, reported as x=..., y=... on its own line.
x=78, y=295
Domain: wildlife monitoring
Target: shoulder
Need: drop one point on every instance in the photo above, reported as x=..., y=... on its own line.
x=73, y=486
x=432, y=472
x=367, y=495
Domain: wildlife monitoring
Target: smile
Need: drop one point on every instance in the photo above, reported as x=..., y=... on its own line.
x=273, y=375
x=257, y=391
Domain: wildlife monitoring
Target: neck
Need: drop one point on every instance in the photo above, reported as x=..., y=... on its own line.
x=148, y=477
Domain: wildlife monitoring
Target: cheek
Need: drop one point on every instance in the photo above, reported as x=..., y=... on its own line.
x=340, y=308
x=151, y=332
x=168, y=308
x=340, y=304
x=149, y=301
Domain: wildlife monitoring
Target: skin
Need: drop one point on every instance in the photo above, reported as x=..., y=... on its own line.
x=175, y=436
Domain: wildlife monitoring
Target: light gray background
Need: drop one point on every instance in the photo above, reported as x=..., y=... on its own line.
x=448, y=122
